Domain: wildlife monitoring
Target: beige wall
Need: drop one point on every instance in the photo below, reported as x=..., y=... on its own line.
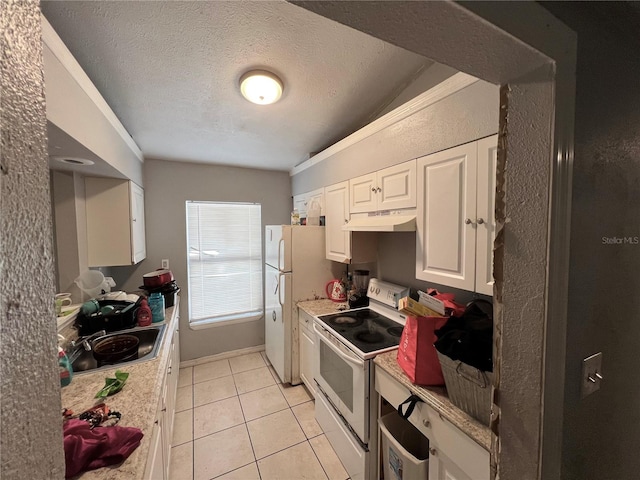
x=31, y=430
x=168, y=185
x=464, y=116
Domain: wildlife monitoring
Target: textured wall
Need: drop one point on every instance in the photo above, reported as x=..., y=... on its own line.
x=168, y=186
x=30, y=388
x=465, y=116
x=602, y=431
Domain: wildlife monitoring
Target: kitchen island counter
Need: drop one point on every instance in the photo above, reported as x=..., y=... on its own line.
x=436, y=398
x=137, y=402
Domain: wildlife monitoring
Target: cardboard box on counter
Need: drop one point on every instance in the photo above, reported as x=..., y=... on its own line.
x=409, y=306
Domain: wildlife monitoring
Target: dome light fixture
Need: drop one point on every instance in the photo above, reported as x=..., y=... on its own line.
x=261, y=87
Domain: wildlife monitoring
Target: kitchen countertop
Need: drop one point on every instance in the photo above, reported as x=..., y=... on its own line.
x=137, y=402
x=436, y=397
x=323, y=306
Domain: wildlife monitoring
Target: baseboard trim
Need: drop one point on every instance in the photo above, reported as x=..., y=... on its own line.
x=221, y=356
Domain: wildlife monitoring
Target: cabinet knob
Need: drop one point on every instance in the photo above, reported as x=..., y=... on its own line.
x=433, y=451
x=480, y=221
x=273, y=315
x=468, y=221
x=346, y=220
x=426, y=423
x=373, y=189
x=379, y=189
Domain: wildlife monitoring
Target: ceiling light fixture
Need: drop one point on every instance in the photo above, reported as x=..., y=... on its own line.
x=261, y=87
x=73, y=160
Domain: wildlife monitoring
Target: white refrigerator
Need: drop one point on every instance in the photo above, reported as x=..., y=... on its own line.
x=296, y=269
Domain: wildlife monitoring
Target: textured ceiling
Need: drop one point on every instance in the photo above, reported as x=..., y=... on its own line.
x=170, y=70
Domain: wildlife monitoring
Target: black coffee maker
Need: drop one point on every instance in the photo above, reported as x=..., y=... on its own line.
x=358, y=295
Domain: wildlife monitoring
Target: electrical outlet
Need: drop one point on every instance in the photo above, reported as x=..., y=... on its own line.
x=591, y=374
x=165, y=263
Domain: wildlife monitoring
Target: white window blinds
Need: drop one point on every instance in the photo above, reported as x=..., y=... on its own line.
x=224, y=251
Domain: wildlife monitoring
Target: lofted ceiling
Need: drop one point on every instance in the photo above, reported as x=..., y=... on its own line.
x=170, y=72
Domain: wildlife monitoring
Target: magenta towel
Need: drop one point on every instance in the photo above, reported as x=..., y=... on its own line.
x=86, y=449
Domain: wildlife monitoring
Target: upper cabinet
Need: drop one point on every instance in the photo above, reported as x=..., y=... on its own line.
x=389, y=189
x=115, y=222
x=339, y=242
x=456, y=219
x=303, y=201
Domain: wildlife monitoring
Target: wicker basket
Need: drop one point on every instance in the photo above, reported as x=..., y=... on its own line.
x=469, y=388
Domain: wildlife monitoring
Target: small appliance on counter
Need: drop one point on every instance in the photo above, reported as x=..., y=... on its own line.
x=161, y=281
x=358, y=295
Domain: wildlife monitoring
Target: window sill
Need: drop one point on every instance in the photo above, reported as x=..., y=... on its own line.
x=230, y=320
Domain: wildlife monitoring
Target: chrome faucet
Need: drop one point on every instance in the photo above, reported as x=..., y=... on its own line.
x=84, y=341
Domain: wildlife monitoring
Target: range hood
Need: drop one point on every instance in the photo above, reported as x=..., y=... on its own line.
x=382, y=223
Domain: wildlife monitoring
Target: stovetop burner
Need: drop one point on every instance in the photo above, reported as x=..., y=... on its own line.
x=364, y=329
x=369, y=337
x=395, y=331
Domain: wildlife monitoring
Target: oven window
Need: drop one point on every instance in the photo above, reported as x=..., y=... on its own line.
x=338, y=374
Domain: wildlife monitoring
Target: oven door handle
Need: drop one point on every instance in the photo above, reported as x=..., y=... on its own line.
x=355, y=361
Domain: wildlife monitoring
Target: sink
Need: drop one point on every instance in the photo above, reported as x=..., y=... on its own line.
x=82, y=361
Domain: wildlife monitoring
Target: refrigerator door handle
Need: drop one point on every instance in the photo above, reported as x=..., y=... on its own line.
x=277, y=286
x=280, y=275
x=280, y=243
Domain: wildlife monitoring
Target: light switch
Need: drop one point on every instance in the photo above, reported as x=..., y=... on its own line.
x=591, y=374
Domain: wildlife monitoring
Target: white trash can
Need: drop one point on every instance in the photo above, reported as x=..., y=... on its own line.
x=405, y=451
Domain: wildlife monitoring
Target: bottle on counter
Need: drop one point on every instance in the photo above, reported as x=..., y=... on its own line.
x=156, y=303
x=66, y=372
x=143, y=315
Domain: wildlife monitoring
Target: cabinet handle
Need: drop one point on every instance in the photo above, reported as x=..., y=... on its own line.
x=169, y=370
x=480, y=221
x=426, y=423
x=433, y=451
x=134, y=219
x=273, y=315
x=164, y=409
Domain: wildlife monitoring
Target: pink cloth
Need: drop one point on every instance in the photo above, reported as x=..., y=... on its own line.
x=86, y=449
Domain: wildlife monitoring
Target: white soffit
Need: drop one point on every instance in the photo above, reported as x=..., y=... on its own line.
x=382, y=223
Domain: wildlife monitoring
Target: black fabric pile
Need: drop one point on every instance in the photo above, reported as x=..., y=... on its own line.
x=469, y=337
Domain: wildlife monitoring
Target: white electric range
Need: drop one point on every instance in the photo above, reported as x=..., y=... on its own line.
x=347, y=404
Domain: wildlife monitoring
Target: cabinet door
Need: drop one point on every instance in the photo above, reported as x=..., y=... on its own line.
x=138, y=242
x=338, y=241
x=307, y=341
x=396, y=186
x=318, y=196
x=446, y=229
x=363, y=194
x=300, y=204
x=441, y=468
x=486, y=213
x=155, y=469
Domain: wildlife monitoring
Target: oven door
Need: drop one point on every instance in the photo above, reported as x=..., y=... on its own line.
x=344, y=378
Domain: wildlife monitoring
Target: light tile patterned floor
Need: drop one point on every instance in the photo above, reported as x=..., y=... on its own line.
x=235, y=421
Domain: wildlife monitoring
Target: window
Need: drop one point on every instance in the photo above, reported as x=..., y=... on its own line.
x=224, y=251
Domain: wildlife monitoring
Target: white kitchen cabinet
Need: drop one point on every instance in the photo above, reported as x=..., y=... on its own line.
x=115, y=222
x=159, y=458
x=155, y=468
x=303, y=201
x=307, y=342
x=453, y=455
x=456, y=220
x=392, y=188
x=339, y=242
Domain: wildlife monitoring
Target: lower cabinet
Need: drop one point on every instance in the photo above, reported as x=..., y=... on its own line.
x=452, y=454
x=307, y=345
x=160, y=452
